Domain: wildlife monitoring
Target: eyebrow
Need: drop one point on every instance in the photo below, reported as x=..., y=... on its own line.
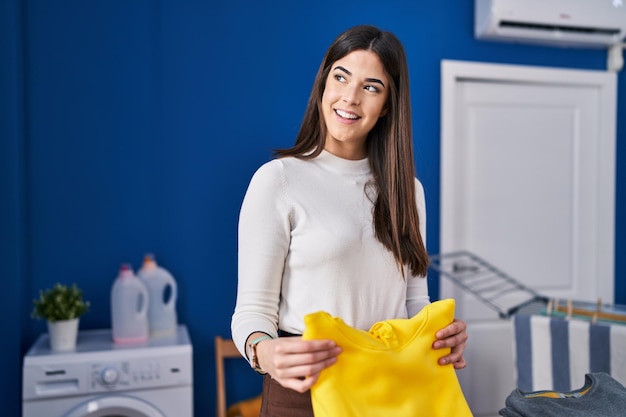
x=369, y=80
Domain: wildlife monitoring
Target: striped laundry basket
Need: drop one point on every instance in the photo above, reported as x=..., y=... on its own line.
x=554, y=353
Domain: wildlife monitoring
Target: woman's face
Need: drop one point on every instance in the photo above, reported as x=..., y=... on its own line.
x=354, y=98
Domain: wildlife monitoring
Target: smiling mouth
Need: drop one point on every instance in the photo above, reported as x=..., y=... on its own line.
x=346, y=115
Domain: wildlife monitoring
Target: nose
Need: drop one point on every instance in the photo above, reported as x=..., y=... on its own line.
x=351, y=95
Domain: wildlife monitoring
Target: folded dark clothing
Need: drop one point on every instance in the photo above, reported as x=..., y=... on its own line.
x=600, y=396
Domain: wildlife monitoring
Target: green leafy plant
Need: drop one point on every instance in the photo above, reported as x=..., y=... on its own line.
x=60, y=303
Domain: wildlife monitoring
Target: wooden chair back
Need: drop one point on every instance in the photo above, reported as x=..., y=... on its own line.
x=224, y=349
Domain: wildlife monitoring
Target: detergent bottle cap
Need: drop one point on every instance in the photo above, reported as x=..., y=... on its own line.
x=149, y=262
x=126, y=271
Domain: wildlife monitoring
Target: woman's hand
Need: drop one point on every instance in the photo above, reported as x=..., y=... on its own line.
x=296, y=363
x=453, y=336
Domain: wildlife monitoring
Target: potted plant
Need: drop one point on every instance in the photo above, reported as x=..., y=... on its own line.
x=62, y=307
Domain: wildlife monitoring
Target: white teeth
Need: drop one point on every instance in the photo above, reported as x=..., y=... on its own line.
x=346, y=115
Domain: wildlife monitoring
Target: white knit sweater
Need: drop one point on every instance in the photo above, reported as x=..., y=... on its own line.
x=306, y=243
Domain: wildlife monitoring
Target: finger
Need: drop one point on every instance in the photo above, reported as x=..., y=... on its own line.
x=293, y=345
x=454, y=340
x=300, y=369
x=301, y=384
x=460, y=364
x=456, y=327
x=450, y=359
x=309, y=358
x=455, y=355
x=451, y=342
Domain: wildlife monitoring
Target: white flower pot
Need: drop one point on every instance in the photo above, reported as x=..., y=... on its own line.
x=63, y=334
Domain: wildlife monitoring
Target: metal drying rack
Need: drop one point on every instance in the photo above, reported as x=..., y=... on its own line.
x=502, y=293
x=490, y=285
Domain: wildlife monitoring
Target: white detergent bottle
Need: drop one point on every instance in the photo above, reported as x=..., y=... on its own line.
x=163, y=292
x=129, y=308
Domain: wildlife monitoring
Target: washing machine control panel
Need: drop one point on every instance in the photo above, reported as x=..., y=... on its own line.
x=124, y=375
x=109, y=375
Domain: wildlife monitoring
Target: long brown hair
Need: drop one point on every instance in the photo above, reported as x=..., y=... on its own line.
x=389, y=144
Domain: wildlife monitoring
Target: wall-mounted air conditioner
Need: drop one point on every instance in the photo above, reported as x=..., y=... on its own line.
x=582, y=23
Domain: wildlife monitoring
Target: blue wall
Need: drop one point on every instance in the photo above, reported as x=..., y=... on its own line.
x=133, y=126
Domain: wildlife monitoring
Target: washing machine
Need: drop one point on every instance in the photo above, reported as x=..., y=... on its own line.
x=103, y=379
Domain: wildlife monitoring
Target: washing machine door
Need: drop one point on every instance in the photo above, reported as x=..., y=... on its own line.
x=115, y=406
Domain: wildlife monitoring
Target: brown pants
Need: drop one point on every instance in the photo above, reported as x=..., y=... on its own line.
x=279, y=401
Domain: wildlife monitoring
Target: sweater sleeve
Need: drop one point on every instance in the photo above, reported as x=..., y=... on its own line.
x=263, y=243
x=417, y=287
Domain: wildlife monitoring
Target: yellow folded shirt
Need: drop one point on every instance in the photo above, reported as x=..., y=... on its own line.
x=391, y=370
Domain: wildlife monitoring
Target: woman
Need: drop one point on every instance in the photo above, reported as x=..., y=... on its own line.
x=335, y=223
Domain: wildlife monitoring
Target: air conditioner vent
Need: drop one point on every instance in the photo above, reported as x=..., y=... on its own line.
x=567, y=23
x=560, y=28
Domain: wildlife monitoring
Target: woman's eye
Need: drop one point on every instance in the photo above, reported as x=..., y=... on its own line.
x=340, y=78
x=371, y=88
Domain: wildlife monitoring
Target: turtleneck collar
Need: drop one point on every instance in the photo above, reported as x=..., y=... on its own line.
x=347, y=166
